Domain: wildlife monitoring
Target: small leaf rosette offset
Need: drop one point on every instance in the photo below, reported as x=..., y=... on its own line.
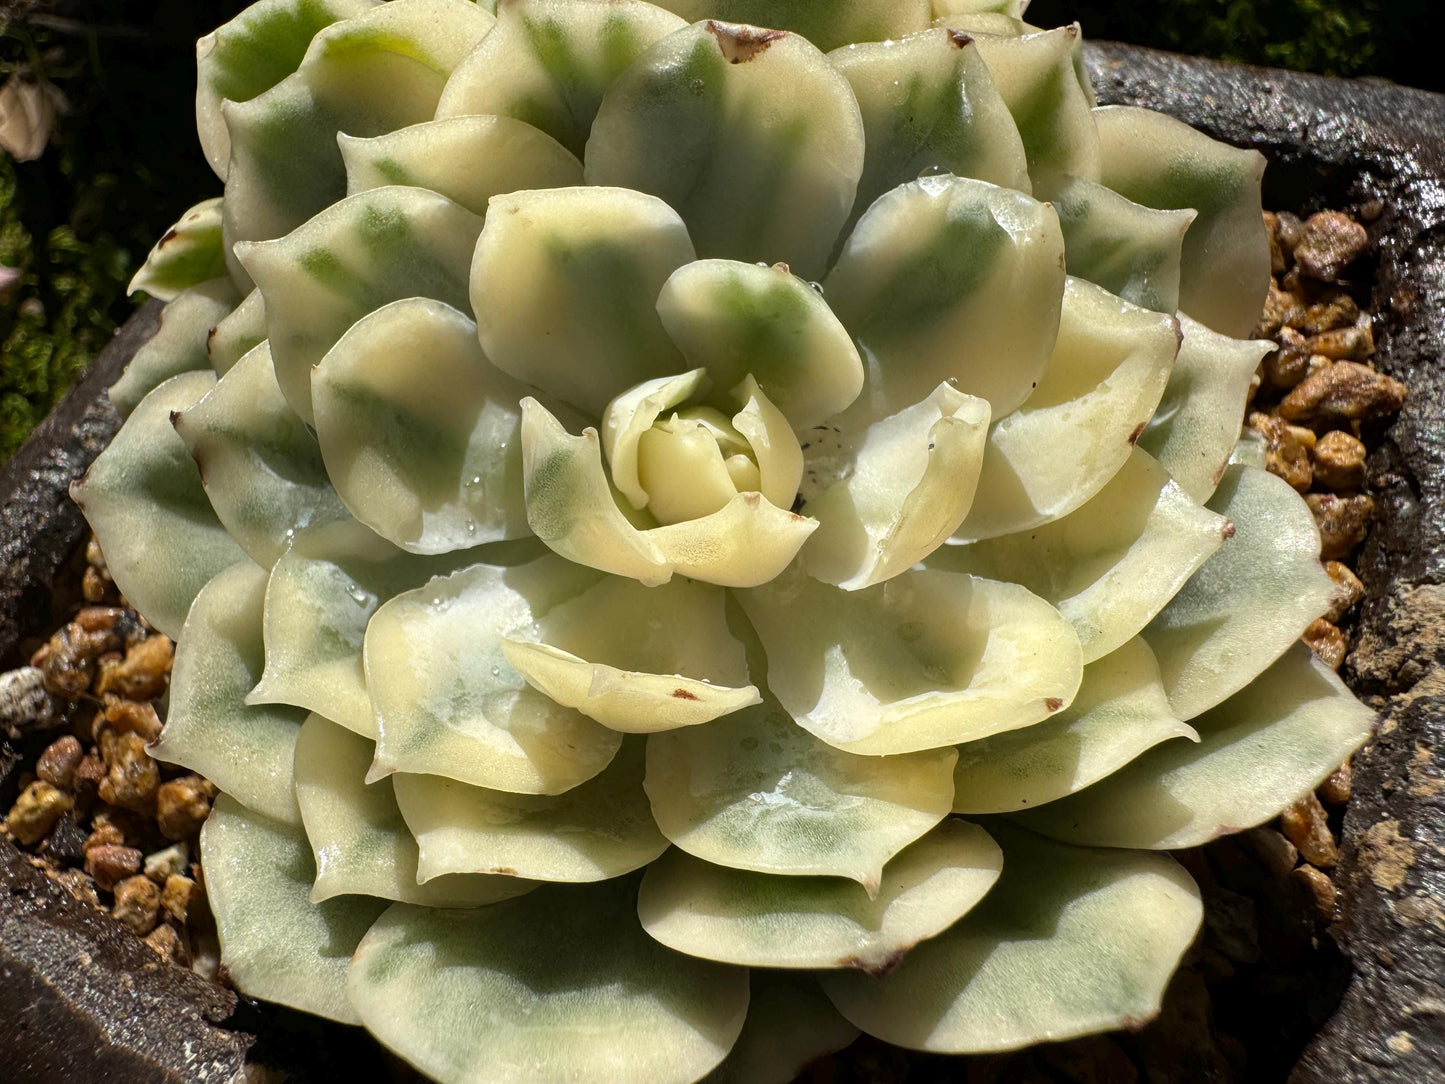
x=694, y=530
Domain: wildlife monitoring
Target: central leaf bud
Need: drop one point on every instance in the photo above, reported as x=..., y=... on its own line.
x=692, y=463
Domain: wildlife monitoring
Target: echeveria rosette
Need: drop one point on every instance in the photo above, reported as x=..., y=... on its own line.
x=697, y=529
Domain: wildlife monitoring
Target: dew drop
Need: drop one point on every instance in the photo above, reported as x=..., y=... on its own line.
x=816, y=287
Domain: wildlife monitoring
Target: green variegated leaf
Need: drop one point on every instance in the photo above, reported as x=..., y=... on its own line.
x=1260, y=751
x=983, y=22
x=950, y=279
x=246, y=751
x=354, y=257
x=567, y=985
x=926, y=659
x=1070, y=942
x=178, y=346
x=237, y=334
x=929, y=106
x=762, y=920
x=548, y=63
x=732, y=124
x=734, y=319
x=639, y=659
x=790, y=1023
x=752, y=791
x=275, y=943
x=467, y=159
x=599, y=829
x=259, y=463
x=1202, y=412
x=1108, y=370
x=251, y=54
x=143, y=497
x=826, y=25
x=188, y=254
x=1130, y=250
x=420, y=433
x=1161, y=162
x=564, y=288
x=358, y=838
x=911, y=484
x=1111, y=564
x=1120, y=712
x=1013, y=9
x=448, y=702
x=1249, y=602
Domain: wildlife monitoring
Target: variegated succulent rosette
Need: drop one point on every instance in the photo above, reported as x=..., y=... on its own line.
x=687, y=541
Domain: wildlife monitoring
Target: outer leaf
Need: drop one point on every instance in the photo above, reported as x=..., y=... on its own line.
x=1202, y=412
x=563, y=287
x=790, y=1023
x=599, y=829
x=275, y=943
x=1120, y=712
x=1161, y=162
x=732, y=124
x=948, y=279
x=1259, y=751
x=421, y=434
x=927, y=659
x=448, y=702
x=826, y=25
x=246, y=751
x=1013, y=9
x=178, y=346
x=467, y=159
x=548, y=62
x=1104, y=380
x=1111, y=564
x=1070, y=942
x=753, y=791
x=569, y=985
x=1249, y=602
x=259, y=463
x=143, y=496
x=356, y=833
x=350, y=260
x=237, y=334
x=761, y=920
x=188, y=254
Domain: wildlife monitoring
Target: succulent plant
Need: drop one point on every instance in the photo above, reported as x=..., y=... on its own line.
x=687, y=541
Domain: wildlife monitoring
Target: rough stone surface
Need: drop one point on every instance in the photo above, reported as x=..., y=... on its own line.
x=1378, y=150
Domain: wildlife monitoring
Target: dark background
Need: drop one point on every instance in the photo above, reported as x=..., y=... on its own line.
x=123, y=161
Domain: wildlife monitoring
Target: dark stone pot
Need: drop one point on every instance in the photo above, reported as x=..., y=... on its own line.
x=82, y=1000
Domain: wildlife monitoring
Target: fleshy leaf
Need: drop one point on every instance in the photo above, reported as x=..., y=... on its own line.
x=568, y=985
x=275, y=943
x=599, y=829
x=929, y=105
x=143, y=496
x=467, y=159
x=950, y=279
x=178, y=346
x=753, y=791
x=1071, y=941
x=926, y=659
x=237, y=333
x=1120, y=712
x=1013, y=9
x=826, y=25
x=259, y=463
x=1268, y=745
x=351, y=259
x=911, y=485
x=420, y=433
x=1161, y=162
x=548, y=63
x=447, y=701
x=736, y=319
x=1108, y=370
x=357, y=836
x=763, y=920
x=564, y=286
x=639, y=659
x=1130, y=250
x=732, y=124
x=188, y=254
x=790, y=1023
x=1111, y=564
x=1202, y=411
x=1249, y=602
